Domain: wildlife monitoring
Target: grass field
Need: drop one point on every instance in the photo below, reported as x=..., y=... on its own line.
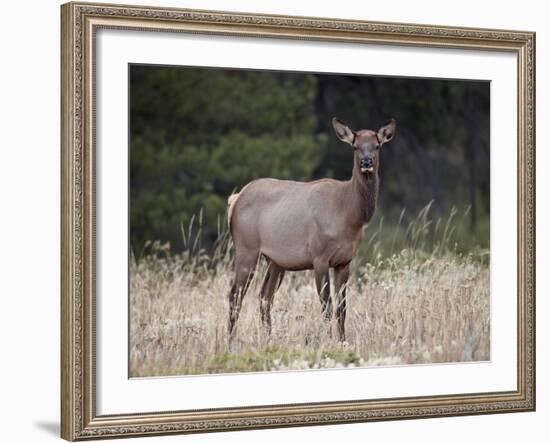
x=421, y=304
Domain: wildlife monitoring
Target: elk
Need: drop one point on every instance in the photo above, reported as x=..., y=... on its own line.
x=306, y=225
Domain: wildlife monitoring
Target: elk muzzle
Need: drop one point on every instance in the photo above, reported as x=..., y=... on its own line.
x=367, y=165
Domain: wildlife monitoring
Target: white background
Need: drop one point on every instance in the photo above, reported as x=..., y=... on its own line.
x=29, y=221
x=118, y=394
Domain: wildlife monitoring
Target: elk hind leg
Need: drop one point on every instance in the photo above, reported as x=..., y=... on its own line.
x=244, y=271
x=272, y=281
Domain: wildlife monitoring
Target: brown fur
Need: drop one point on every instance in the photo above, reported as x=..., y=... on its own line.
x=296, y=226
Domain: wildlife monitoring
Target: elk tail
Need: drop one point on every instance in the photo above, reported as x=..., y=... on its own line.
x=231, y=200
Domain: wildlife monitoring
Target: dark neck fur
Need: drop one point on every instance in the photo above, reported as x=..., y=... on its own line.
x=364, y=188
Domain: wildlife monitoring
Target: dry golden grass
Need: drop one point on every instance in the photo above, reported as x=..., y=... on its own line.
x=402, y=310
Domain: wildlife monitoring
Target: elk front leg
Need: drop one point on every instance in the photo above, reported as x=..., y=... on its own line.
x=322, y=281
x=341, y=276
x=271, y=282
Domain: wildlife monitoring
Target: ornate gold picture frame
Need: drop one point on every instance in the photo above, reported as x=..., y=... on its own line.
x=80, y=22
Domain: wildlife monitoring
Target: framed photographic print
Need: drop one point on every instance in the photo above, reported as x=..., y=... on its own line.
x=283, y=221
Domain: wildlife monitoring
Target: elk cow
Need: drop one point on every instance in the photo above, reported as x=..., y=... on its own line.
x=297, y=226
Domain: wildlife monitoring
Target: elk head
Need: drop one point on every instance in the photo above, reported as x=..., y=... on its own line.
x=366, y=143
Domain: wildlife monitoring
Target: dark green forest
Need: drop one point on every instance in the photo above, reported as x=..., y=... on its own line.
x=197, y=135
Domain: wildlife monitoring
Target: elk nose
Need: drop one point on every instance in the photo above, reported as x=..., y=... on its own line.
x=366, y=163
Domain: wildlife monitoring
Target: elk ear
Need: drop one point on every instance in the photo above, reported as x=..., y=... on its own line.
x=343, y=132
x=386, y=132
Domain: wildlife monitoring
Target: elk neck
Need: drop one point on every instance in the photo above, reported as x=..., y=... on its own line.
x=364, y=192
